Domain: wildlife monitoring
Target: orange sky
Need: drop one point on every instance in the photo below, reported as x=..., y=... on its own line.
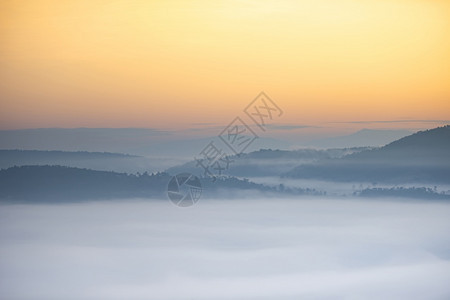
x=167, y=64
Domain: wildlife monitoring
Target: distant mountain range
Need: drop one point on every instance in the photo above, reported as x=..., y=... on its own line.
x=361, y=138
x=267, y=162
x=159, y=143
x=103, y=161
x=421, y=157
x=136, y=141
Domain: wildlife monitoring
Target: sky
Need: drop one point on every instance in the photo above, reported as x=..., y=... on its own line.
x=171, y=64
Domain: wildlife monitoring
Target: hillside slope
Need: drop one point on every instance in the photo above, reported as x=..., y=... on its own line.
x=267, y=162
x=420, y=157
x=65, y=184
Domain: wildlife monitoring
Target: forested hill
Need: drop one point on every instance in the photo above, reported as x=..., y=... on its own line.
x=421, y=157
x=267, y=162
x=430, y=146
x=65, y=184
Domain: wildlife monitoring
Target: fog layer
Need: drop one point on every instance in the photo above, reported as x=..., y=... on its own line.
x=235, y=249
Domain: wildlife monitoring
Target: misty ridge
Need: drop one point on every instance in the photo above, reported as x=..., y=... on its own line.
x=93, y=225
x=423, y=157
x=268, y=162
x=409, y=167
x=160, y=143
x=63, y=184
x=102, y=161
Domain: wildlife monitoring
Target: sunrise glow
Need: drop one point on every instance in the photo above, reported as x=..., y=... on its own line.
x=167, y=64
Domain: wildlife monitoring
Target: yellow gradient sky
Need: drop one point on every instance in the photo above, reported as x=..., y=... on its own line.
x=171, y=63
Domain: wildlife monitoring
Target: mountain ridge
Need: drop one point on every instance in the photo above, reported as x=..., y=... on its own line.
x=421, y=157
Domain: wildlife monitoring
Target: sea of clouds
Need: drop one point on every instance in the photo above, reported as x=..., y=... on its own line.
x=306, y=248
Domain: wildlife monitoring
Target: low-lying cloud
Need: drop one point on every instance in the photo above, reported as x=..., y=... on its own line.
x=226, y=249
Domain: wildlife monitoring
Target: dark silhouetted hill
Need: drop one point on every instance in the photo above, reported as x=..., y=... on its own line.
x=65, y=184
x=430, y=147
x=420, y=157
x=58, y=183
x=267, y=162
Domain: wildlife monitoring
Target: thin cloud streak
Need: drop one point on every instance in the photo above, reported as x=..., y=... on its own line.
x=392, y=121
